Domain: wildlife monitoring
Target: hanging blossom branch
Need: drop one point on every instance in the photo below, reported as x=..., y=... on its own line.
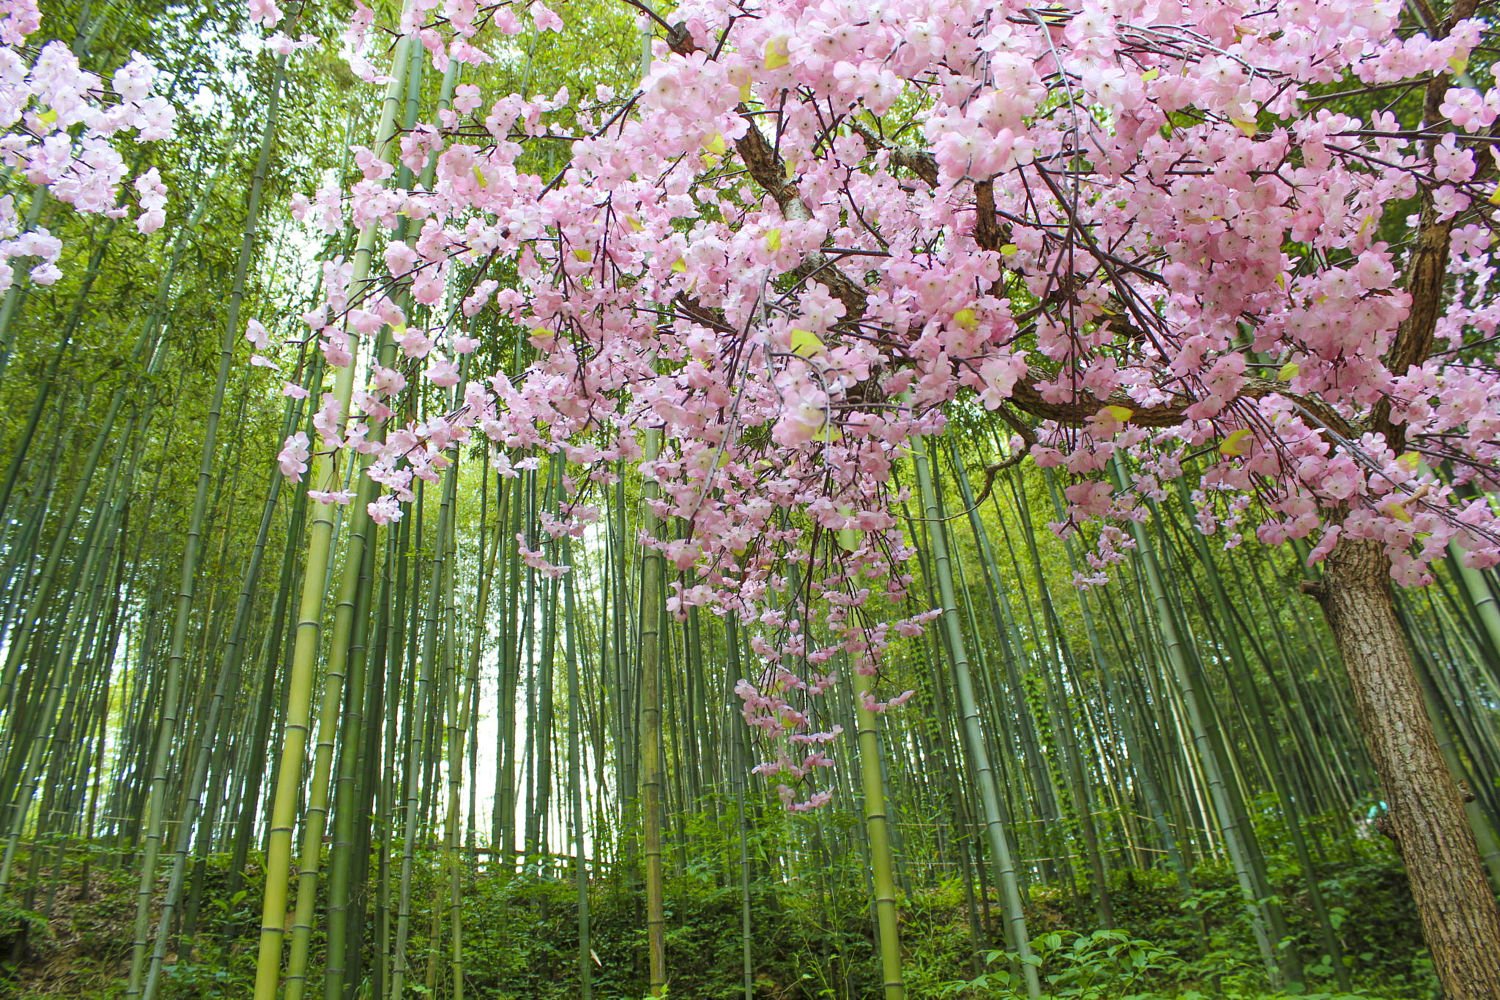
x=1130, y=229
x=57, y=125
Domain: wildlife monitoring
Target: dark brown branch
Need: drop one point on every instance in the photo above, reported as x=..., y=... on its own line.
x=1028, y=398
x=1427, y=267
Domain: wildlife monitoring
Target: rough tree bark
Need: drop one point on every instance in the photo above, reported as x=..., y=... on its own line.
x=1459, y=915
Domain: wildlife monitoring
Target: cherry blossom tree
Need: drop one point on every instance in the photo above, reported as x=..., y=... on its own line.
x=1242, y=241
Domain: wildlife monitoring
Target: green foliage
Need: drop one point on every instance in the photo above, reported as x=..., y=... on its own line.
x=813, y=935
x=19, y=926
x=1209, y=938
x=1104, y=964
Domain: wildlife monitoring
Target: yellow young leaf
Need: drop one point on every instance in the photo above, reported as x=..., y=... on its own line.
x=679, y=266
x=1458, y=64
x=805, y=344
x=1495, y=198
x=791, y=167
x=1410, y=461
x=1121, y=414
x=633, y=223
x=1397, y=511
x=1150, y=74
x=1009, y=250
x=713, y=149
x=773, y=240
x=967, y=319
x=776, y=52
x=1288, y=371
x=584, y=254
x=1245, y=126
x=1237, y=443
x=740, y=77
x=48, y=117
x=479, y=177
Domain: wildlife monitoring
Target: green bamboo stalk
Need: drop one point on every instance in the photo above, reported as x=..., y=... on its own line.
x=1486, y=604
x=418, y=730
x=1056, y=695
x=187, y=588
x=1141, y=754
x=975, y=746
x=14, y=293
x=1252, y=883
x=351, y=737
x=740, y=766
x=575, y=774
x=44, y=590
x=453, y=816
x=872, y=787
x=650, y=754
x=1291, y=809
x=325, y=476
x=510, y=643
x=44, y=730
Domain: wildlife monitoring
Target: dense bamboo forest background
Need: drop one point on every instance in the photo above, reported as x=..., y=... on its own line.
x=530, y=785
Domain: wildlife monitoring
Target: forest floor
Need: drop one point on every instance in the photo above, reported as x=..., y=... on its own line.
x=69, y=934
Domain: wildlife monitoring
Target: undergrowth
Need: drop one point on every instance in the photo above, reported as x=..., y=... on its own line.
x=811, y=936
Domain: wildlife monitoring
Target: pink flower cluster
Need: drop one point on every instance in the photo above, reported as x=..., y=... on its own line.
x=57, y=123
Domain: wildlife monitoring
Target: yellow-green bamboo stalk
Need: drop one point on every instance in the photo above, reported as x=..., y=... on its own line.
x=1486, y=604
x=651, y=777
x=344, y=630
x=325, y=476
x=882, y=868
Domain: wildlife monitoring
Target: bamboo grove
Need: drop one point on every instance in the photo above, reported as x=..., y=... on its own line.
x=180, y=630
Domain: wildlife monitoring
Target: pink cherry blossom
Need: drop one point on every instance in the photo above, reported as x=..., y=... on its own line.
x=1128, y=234
x=265, y=13
x=57, y=123
x=294, y=456
x=153, y=198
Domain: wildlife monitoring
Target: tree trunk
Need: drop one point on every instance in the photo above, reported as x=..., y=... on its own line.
x=1460, y=919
